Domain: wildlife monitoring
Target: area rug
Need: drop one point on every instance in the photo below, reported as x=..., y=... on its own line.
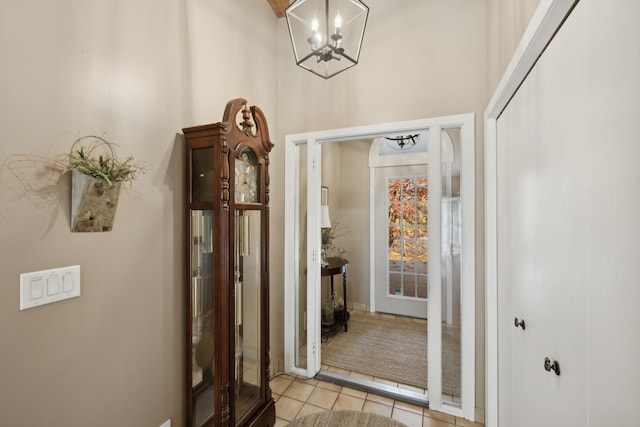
x=345, y=418
x=393, y=349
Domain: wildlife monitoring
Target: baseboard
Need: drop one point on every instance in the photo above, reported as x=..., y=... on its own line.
x=357, y=306
x=276, y=366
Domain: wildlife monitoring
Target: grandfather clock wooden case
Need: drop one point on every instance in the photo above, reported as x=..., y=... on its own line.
x=227, y=277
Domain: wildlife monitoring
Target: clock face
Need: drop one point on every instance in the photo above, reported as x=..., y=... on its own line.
x=246, y=174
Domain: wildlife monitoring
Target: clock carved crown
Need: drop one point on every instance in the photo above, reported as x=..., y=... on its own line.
x=249, y=143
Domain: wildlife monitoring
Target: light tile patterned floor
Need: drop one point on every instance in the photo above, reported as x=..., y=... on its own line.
x=296, y=397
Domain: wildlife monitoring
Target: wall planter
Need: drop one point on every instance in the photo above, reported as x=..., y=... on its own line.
x=96, y=183
x=93, y=203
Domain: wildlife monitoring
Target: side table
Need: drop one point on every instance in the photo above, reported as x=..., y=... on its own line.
x=337, y=266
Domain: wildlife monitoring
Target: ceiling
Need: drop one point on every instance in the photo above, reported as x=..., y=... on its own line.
x=278, y=6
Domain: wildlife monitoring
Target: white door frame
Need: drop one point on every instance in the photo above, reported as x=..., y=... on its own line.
x=548, y=17
x=313, y=140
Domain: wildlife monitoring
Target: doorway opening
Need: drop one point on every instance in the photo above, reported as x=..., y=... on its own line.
x=387, y=344
x=327, y=163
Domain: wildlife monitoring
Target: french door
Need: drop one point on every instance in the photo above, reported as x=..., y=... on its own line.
x=303, y=255
x=400, y=200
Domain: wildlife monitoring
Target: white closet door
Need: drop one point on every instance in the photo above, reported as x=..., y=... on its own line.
x=565, y=229
x=543, y=239
x=568, y=229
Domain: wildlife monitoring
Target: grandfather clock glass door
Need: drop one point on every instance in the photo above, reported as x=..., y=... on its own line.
x=202, y=316
x=202, y=287
x=248, y=361
x=248, y=279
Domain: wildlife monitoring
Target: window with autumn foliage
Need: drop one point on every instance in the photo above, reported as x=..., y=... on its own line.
x=408, y=228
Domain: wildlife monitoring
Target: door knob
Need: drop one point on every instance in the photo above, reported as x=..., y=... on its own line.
x=551, y=366
x=518, y=323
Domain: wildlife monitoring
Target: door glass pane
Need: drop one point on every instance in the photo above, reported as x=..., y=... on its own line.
x=395, y=284
x=202, y=318
x=450, y=267
x=247, y=273
x=409, y=285
x=301, y=264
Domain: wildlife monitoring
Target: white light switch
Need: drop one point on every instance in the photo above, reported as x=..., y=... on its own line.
x=35, y=288
x=67, y=282
x=53, y=285
x=47, y=286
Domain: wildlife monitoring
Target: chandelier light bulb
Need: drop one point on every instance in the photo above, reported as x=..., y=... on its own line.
x=315, y=38
x=338, y=22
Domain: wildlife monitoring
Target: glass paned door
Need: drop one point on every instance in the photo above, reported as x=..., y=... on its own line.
x=401, y=229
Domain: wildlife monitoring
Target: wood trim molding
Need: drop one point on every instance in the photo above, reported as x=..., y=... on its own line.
x=279, y=7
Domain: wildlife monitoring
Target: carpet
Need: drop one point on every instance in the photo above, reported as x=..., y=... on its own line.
x=393, y=349
x=345, y=418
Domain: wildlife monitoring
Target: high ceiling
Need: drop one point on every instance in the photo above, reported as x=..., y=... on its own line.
x=279, y=6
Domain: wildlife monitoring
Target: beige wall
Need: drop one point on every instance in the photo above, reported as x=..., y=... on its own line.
x=349, y=209
x=135, y=72
x=353, y=213
x=419, y=59
x=506, y=22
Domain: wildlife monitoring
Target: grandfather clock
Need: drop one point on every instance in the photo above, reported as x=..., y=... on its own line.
x=227, y=277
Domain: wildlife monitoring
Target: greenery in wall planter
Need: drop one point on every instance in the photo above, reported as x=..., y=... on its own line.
x=97, y=176
x=109, y=168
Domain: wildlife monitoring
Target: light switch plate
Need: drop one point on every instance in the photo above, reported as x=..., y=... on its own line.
x=48, y=286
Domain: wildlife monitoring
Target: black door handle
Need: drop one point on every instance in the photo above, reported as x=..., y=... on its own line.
x=518, y=323
x=551, y=366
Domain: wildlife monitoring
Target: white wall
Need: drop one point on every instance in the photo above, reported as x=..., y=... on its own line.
x=134, y=72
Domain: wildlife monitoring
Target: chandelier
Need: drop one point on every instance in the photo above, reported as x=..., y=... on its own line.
x=403, y=141
x=326, y=34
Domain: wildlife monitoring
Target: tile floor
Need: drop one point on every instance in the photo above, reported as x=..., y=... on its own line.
x=296, y=397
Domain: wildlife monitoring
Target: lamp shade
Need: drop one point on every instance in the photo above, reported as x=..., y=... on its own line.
x=326, y=34
x=325, y=221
